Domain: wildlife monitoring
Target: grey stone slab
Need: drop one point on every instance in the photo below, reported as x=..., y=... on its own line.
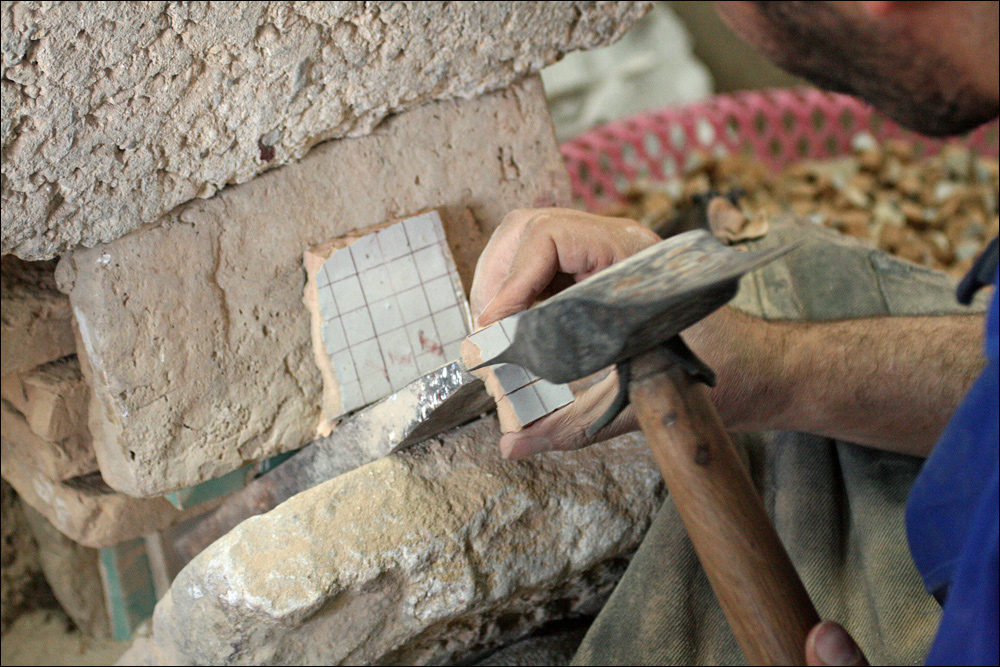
x=442, y=400
x=429, y=556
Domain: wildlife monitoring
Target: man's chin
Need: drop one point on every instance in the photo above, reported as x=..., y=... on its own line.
x=921, y=109
x=933, y=125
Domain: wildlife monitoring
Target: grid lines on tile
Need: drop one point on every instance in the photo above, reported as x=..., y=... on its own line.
x=392, y=308
x=530, y=397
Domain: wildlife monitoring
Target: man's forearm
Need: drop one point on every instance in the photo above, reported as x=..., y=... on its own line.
x=890, y=382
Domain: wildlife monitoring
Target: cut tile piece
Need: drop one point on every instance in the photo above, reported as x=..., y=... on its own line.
x=509, y=325
x=395, y=306
x=491, y=341
x=554, y=396
x=521, y=397
x=526, y=404
x=512, y=377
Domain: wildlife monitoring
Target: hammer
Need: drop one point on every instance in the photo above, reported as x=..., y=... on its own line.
x=631, y=315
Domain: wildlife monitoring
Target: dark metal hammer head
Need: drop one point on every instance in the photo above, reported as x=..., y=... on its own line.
x=630, y=307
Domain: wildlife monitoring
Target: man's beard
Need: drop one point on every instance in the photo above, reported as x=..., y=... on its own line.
x=888, y=70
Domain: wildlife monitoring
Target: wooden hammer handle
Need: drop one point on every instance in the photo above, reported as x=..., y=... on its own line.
x=765, y=602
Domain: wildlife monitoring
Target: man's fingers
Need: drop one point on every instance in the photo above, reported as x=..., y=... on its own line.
x=565, y=429
x=829, y=644
x=531, y=246
x=533, y=267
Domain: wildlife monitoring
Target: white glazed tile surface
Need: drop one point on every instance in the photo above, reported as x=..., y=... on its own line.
x=530, y=396
x=393, y=308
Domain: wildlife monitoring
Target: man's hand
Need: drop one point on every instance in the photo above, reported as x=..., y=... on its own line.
x=526, y=252
x=829, y=644
x=531, y=246
x=814, y=377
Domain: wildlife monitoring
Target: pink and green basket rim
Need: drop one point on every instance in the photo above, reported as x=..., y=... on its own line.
x=776, y=126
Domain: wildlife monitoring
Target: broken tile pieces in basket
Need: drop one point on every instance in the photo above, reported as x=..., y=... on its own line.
x=521, y=396
x=387, y=307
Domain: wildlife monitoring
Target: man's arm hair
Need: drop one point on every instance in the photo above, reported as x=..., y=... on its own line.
x=888, y=382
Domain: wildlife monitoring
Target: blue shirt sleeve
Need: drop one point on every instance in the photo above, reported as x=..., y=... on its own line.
x=952, y=518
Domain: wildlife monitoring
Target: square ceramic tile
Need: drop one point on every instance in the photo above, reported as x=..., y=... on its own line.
x=430, y=262
x=337, y=267
x=511, y=377
x=451, y=325
x=553, y=396
x=385, y=315
x=527, y=405
x=348, y=294
x=423, y=336
x=333, y=336
x=368, y=359
x=375, y=284
x=413, y=304
x=392, y=242
x=358, y=326
x=327, y=304
x=351, y=396
x=376, y=386
x=440, y=293
x=453, y=350
x=343, y=366
x=424, y=230
x=403, y=273
x=366, y=252
x=429, y=361
x=400, y=360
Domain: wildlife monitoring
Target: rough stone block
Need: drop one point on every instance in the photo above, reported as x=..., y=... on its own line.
x=60, y=460
x=72, y=571
x=21, y=577
x=116, y=113
x=90, y=514
x=52, y=398
x=36, y=326
x=196, y=336
x=428, y=556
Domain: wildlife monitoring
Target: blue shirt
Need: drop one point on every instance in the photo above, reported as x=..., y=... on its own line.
x=952, y=517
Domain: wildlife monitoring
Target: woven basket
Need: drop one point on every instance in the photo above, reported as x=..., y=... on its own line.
x=777, y=127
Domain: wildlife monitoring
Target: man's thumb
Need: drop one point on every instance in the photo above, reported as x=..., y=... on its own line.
x=829, y=644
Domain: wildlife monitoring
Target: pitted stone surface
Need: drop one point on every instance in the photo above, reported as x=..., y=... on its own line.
x=115, y=113
x=193, y=335
x=429, y=556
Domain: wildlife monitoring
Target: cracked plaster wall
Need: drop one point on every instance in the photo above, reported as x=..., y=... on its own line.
x=115, y=113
